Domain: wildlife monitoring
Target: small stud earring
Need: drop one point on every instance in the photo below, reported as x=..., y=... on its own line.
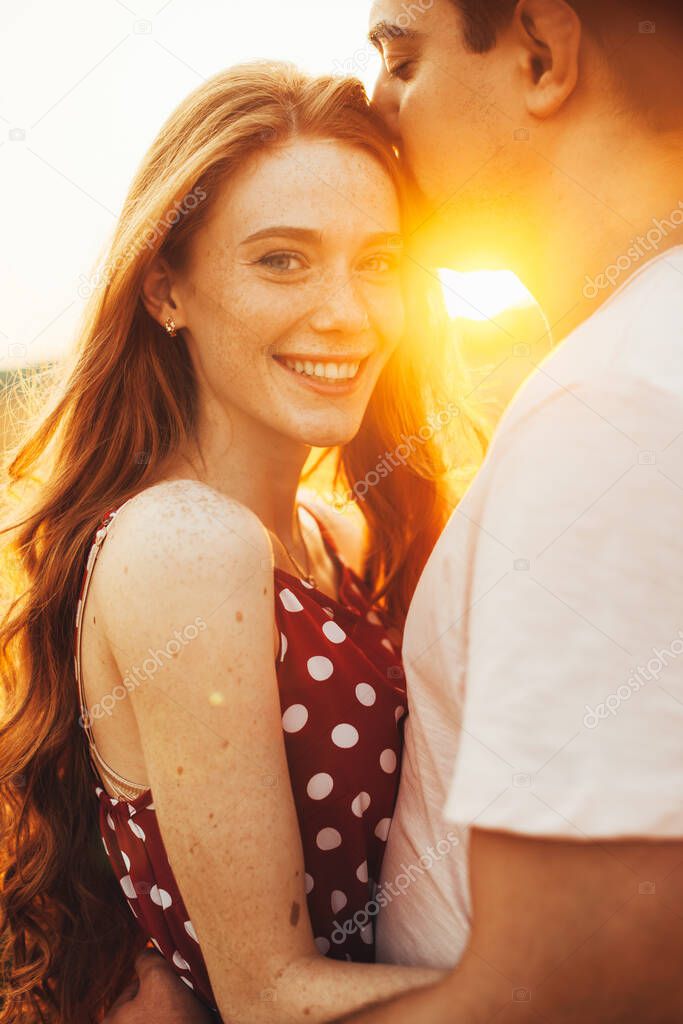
x=171, y=327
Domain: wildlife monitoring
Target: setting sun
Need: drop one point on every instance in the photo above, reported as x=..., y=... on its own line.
x=483, y=294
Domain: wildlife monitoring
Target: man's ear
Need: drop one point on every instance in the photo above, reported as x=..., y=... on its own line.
x=158, y=294
x=549, y=34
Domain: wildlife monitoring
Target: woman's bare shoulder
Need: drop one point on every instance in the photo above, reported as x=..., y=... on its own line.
x=186, y=520
x=174, y=546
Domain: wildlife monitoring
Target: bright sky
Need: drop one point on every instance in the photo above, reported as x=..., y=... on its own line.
x=84, y=88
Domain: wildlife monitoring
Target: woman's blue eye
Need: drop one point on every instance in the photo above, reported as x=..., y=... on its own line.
x=280, y=261
x=380, y=264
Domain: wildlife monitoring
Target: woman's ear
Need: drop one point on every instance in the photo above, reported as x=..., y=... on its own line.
x=158, y=294
x=549, y=34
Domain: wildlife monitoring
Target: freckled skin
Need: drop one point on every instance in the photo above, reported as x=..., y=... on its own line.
x=236, y=312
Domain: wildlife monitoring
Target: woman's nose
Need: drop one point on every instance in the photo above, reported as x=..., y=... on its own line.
x=341, y=310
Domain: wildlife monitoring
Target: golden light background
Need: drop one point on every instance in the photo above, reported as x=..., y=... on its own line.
x=84, y=87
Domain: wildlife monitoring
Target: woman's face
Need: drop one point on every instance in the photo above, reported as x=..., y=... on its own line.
x=291, y=297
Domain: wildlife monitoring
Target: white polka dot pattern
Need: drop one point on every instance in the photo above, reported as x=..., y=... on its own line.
x=295, y=718
x=128, y=887
x=338, y=901
x=382, y=829
x=181, y=964
x=160, y=897
x=366, y=694
x=360, y=804
x=320, y=786
x=320, y=668
x=328, y=839
x=345, y=736
x=334, y=633
x=342, y=698
x=290, y=601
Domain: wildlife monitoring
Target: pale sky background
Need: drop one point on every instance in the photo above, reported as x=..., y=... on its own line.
x=84, y=87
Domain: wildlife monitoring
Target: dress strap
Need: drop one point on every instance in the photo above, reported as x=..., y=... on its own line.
x=122, y=787
x=326, y=534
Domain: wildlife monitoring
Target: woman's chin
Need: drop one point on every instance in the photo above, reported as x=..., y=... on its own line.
x=329, y=436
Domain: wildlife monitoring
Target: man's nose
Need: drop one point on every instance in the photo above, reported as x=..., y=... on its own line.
x=385, y=102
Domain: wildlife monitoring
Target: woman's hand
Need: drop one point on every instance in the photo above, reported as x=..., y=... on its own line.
x=157, y=997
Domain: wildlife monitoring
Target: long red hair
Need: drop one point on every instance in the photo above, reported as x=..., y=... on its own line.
x=127, y=402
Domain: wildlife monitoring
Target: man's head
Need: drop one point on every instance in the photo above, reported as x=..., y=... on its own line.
x=492, y=99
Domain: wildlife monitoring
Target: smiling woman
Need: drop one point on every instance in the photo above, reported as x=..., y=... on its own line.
x=275, y=315
x=323, y=290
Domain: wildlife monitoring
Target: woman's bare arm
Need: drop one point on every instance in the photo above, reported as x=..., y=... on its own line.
x=210, y=723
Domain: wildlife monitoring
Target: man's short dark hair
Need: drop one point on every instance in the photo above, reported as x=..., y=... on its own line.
x=483, y=19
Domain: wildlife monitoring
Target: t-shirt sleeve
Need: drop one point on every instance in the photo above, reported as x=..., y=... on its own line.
x=573, y=718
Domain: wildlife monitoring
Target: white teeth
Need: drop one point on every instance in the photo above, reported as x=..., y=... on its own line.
x=348, y=370
x=325, y=371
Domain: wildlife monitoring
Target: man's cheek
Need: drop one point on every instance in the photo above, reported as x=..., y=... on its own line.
x=417, y=118
x=423, y=132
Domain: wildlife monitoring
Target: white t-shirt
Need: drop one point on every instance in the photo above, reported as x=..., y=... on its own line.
x=544, y=645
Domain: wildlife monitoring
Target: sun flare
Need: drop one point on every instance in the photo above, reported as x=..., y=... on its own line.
x=483, y=294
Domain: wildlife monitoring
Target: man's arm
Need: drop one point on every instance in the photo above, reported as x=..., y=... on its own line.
x=566, y=932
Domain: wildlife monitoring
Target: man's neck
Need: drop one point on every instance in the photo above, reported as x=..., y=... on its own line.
x=597, y=236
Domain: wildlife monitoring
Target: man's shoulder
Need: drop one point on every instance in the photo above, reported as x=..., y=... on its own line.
x=608, y=399
x=633, y=345
x=642, y=326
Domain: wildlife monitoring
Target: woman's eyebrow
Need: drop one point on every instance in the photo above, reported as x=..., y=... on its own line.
x=304, y=234
x=385, y=31
x=387, y=238
x=391, y=241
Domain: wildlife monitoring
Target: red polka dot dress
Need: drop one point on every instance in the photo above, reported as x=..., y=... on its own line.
x=342, y=696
